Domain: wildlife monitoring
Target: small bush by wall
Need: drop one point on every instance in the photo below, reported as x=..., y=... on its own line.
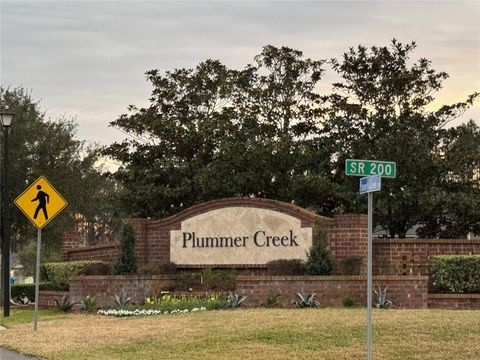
x=456, y=273
x=58, y=274
x=319, y=258
x=20, y=291
x=286, y=267
x=127, y=262
x=218, y=279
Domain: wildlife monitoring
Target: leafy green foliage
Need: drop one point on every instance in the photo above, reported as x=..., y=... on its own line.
x=456, y=273
x=286, y=267
x=187, y=280
x=234, y=300
x=348, y=301
x=183, y=148
x=319, y=258
x=380, y=110
x=306, y=300
x=168, y=302
x=64, y=305
x=58, y=274
x=127, y=262
x=218, y=279
x=90, y=304
x=352, y=265
x=381, y=301
x=273, y=300
x=40, y=146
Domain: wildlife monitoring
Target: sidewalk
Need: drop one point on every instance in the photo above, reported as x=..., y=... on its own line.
x=10, y=355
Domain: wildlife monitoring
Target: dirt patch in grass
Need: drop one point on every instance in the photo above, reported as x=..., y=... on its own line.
x=254, y=334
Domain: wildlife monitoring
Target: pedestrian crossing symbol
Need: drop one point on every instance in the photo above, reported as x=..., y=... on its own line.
x=41, y=202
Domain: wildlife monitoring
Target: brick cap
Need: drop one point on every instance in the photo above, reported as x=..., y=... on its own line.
x=425, y=241
x=454, y=296
x=333, y=278
x=274, y=205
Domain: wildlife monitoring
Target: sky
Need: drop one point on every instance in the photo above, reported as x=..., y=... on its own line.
x=87, y=59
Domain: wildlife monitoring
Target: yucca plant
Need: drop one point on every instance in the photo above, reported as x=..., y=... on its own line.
x=306, y=300
x=90, y=304
x=121, y=300
x=235, y=300
x=64, y=305
x=381, y=301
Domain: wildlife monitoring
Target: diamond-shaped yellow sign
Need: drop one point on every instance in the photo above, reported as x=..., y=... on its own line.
x=41, y=202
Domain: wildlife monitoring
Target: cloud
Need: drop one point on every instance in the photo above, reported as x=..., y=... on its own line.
x=88, y=58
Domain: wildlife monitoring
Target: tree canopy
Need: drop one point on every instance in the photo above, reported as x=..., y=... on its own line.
x=266, y=131
x=40, y=146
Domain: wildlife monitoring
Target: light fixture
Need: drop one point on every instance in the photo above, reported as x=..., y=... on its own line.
x=6, y=117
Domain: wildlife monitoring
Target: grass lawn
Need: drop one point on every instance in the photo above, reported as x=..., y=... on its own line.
x=249, y=334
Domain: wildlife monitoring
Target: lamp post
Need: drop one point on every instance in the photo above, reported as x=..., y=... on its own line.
x=6, y=117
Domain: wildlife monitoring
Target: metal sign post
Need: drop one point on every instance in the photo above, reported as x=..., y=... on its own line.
x=376, y=170
x=40, y=203
x=37, y=279
x=369, y=277
x=369, y=185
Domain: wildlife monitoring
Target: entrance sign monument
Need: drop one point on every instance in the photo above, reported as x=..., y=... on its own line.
x=370, y=184
x=239, y=235
x=40, y=203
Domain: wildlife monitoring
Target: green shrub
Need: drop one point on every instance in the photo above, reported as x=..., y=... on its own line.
x=21, y=291
x=168, y=302
x=58, y=274
x=218, y=279
x=273, y=299
x=64, y=305
x=352, y=265
x=158, y=269
x=127, y=261
x=99, y=268
x=187, y=280
x=348, y=301
x=319, y=259
x=456, y=273
x=290, y=267
x=90, y=304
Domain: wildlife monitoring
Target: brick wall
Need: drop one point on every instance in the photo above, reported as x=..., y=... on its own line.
x=411, y=256
x=454, y=301
x=403, y=291
x=348, y=235
x=105, y=287
x=47, y=298
x=103, y=252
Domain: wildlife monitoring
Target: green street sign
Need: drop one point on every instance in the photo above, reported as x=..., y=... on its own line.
x=386, y=169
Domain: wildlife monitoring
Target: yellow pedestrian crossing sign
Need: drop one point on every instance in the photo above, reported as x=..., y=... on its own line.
x=41, y=202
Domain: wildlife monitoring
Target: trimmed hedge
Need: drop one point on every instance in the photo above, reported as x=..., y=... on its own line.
x=58, y=274
x=286, y=267
x=456, y=273
x=28, y=290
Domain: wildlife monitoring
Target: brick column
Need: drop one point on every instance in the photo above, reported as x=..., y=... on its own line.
x=69, y=241
x=349, y=238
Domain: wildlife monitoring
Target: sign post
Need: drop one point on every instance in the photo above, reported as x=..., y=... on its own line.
x=40, y=203
x=369, y=184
